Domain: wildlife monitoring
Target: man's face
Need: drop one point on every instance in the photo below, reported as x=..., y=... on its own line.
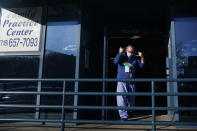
x=130, y=49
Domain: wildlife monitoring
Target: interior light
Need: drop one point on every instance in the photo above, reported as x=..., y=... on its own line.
x=135, y=37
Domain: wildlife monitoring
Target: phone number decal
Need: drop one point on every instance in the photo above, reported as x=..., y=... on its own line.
x=18, y=42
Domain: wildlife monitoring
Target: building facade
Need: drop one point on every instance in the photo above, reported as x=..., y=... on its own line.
x=79, y=39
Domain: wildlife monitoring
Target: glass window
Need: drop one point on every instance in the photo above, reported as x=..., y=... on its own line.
x=62, y=41
x=186, y=53
x=61, y=49
x=186, y=47
x=18, y=67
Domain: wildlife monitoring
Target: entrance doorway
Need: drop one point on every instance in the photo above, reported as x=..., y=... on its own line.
x=152, y=42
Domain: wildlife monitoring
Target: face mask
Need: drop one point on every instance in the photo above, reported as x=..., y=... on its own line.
x=128, y=54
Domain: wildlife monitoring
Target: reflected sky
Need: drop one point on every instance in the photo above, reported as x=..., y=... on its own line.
x=186, y=36
x=63, y=37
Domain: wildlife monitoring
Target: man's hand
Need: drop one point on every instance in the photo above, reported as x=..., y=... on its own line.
x=140, y=54
x=121, y=50
x=142, y=57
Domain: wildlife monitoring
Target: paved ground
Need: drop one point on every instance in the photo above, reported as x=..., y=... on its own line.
x=94, y=127
x=87, y=127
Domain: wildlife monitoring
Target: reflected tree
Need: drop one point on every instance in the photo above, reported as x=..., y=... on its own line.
x=181, y=60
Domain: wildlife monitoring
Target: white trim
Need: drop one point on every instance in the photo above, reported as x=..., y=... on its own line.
x=77, y=73
x=172, y=86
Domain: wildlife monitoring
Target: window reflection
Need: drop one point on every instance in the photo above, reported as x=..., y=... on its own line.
x=61, y=49
x=60, y=62
x=62, y=37
x=186, y=47
x=18, y=67
x=186, y=52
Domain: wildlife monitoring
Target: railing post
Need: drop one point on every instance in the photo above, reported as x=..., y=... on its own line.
x=63, y=100
x=153, y=105
x=104, y=72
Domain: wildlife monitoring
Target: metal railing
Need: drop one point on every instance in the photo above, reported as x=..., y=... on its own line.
x=153, y=108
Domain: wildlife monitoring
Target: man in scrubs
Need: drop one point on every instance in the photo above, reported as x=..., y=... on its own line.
x=127, y=62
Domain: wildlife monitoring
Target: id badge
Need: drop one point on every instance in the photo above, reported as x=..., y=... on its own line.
x=126, y=68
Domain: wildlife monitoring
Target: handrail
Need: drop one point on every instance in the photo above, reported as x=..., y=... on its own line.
x=101, y=80
x=98, y=93
x=63, y=93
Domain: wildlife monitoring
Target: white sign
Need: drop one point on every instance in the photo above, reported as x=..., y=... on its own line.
x=20, y=29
